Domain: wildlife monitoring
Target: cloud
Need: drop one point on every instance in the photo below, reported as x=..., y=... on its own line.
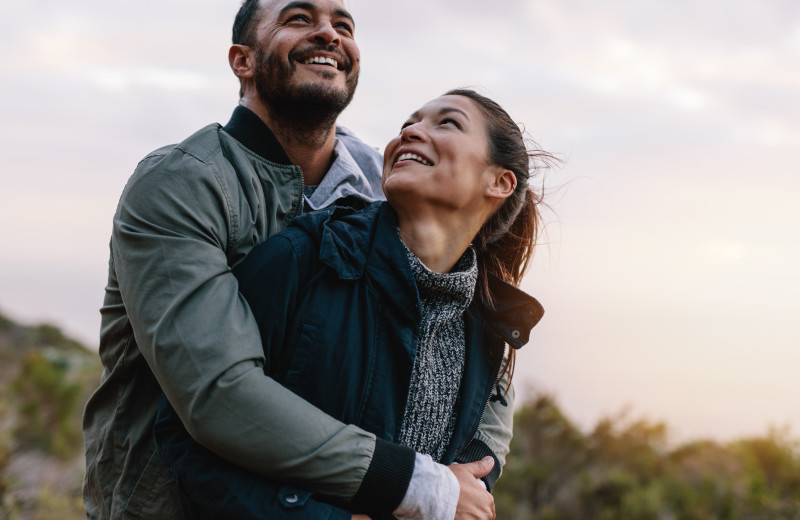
x=165, y=79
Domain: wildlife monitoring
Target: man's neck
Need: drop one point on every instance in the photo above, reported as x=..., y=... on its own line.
x=309, y=146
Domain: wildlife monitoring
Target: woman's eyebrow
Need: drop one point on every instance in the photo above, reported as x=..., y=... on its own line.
x=442, y=111
x=447, y=110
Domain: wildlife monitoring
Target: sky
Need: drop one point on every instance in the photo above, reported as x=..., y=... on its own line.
x=669, y=268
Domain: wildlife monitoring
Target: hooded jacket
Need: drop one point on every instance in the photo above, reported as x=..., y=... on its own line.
x=338, y=309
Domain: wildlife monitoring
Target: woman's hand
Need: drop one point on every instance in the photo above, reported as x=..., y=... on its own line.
x=474, y=502
x=361, y=517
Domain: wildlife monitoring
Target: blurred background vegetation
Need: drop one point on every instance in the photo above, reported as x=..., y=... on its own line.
x=625, y=468
x=45, y=379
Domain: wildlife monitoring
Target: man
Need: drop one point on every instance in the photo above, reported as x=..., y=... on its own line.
x=173, y=319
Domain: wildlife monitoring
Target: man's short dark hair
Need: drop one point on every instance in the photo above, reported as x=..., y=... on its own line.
x=244, y=25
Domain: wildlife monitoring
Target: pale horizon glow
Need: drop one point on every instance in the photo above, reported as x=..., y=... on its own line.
x=669, y=278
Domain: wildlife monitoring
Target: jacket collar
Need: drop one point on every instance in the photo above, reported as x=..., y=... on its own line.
x=366, y=244
x=513, y=314
x=247, y=128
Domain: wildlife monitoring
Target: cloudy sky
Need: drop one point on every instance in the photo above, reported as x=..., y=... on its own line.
x=670, y=273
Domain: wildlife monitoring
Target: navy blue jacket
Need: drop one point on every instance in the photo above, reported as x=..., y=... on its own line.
x=338, y=311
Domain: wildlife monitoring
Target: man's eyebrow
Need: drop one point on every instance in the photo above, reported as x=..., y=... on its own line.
x=299, y=4
x=345, y=14
x=308, y=6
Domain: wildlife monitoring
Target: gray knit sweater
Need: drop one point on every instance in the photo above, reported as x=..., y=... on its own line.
x=431, y=407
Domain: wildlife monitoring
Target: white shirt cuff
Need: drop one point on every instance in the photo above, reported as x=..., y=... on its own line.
x=432, y=493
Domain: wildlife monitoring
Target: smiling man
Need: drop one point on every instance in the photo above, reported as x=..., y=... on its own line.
x=173, y=321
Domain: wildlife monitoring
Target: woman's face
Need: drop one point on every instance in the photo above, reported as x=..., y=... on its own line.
x=440, y=157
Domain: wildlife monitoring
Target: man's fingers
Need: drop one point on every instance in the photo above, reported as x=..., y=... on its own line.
x=480, y=468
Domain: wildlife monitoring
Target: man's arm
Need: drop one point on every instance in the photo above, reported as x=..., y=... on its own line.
x=199, y=338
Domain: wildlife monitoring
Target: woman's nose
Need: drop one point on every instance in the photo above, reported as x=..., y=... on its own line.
x=413, y=132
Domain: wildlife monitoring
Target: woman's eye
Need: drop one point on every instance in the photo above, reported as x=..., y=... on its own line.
x=452, y=122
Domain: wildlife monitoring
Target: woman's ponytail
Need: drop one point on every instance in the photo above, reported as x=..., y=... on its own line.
x=506, y=242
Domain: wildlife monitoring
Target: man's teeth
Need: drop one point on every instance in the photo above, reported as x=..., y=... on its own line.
x=413, y=157
x=325, y=61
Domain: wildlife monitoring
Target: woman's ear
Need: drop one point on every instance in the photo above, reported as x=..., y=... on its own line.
x=240, y=58
x=502, y=183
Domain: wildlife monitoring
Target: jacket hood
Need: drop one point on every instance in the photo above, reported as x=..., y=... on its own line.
x=348, y=238
x=344, y=234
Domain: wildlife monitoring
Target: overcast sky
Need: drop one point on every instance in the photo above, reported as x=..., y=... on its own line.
x=670, y=277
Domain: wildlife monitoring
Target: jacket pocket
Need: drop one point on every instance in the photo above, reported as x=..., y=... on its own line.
x=155, y=495
x=298, y=363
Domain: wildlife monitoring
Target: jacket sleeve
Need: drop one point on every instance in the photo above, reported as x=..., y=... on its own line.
x=494, y=433
x=218, y=489
x=171, y=232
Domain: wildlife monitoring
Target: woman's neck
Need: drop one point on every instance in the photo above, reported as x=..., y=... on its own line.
x=438, y=242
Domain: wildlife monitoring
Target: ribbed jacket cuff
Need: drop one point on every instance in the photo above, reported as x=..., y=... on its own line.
x=476, y=450
x=386, y=481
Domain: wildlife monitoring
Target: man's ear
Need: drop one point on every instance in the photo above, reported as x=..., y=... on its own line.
x=502, y=183
x=241, y=58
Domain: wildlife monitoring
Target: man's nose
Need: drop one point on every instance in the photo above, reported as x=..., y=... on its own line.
x=325, y=34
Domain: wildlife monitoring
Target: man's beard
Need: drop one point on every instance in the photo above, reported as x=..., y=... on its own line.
x=307, y=107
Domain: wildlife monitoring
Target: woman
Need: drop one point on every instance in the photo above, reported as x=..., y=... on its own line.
x=395, y=317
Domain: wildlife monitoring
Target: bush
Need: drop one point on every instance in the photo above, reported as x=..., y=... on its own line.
x=47, y=401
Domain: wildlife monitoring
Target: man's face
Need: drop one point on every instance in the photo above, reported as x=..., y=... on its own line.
x=306, y=55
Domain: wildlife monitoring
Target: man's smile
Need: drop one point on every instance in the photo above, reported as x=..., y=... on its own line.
x=322, y=60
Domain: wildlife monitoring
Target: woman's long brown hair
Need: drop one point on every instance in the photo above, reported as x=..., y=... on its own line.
x=506, y=242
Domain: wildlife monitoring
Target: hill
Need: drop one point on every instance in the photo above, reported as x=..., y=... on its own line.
x=45, y=379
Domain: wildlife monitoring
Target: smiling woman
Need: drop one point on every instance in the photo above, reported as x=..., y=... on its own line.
x=396, y=318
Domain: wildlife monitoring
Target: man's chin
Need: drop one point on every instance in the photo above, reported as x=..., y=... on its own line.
x=324, y=92
x=323, y=79
x=320, y=71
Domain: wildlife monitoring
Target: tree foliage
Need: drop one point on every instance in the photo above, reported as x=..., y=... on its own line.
x=625, y=469
x=45, y=378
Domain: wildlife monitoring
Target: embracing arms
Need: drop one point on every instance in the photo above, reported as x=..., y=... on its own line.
x=174, y=238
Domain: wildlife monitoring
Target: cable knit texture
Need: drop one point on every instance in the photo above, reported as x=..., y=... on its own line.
x=431, y=408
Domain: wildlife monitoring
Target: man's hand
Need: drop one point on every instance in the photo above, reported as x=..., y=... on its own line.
x=474, y=502
x=360, y=517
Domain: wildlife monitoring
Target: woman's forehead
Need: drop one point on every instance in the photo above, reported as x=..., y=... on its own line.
x=449, y=104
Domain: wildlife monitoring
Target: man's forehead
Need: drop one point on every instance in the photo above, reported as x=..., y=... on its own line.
x=275, y=7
